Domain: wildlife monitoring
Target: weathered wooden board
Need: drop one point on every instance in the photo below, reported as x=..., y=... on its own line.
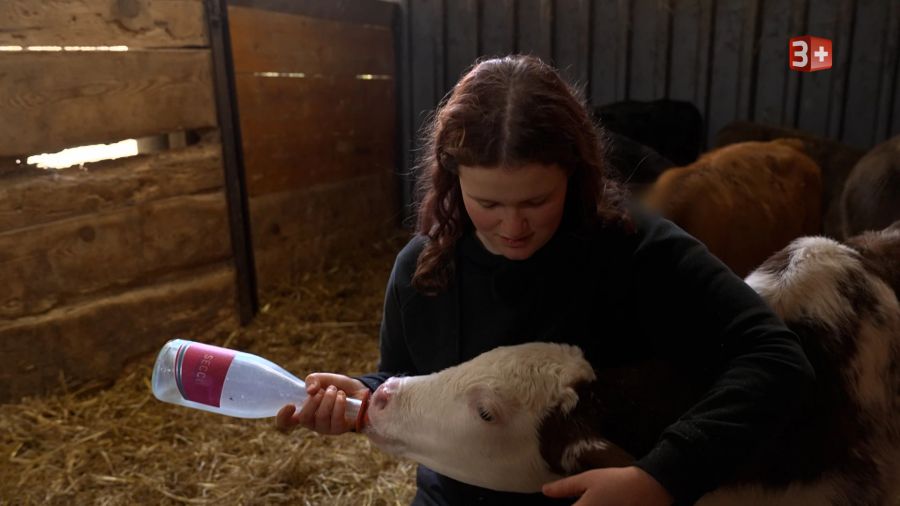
x=649, y=38
x=571, y=41
x=726, y=65
x=359, y=12
x=498, y=23
x=266, y=41
x=535, y=33
x=772, y=65
x=50, y=101
x=426, y=70
x=889, y=85
x=132, y=23
x=692, y=25
x=462, y=39
x=95, y=339
x=869, y=34
x=51, y=265
x=297, y=230
x=301, y=132
x=609, y=57
x=47, y=195
x=817, y=98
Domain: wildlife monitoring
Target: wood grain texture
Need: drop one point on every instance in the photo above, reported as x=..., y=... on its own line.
x=609, y=57
x=772, y=64
x=866, y=64
x=297, y=230
x=571, y=41
x=265, y=41
x=132, y=23
x=49, y=101
x=95, y=339
x=535, y=33
x=462, y=39
x=498, y=27
x=302, y=132
x=48, y=266
x=42, y=196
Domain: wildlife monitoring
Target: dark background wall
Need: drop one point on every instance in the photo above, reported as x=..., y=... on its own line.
x=728, y=57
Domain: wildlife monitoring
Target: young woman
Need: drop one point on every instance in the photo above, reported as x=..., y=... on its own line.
x=522, y=236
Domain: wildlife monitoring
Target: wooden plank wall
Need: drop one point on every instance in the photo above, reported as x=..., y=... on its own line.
x=316, y=88
x=103, y=263
x=728, y=57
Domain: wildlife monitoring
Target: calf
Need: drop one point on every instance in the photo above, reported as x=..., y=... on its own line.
x=744, y=201
x=672, y=128
x=871, y=196
x=517, y=417
x=835, y=158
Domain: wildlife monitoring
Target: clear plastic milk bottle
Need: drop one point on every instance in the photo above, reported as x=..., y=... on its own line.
x=230, y=382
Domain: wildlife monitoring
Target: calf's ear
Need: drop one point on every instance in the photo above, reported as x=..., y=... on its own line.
x=594, y=453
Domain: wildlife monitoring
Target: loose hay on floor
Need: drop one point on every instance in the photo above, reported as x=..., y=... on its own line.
x=122, y=446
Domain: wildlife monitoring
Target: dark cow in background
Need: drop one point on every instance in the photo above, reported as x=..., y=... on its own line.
x=744, y=201
x=672, y=128
x=871, y=196
x=635, y=165
x=517, y=417
x=834, y=158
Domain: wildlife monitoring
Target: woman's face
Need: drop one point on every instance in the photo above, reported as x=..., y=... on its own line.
x=515, y=210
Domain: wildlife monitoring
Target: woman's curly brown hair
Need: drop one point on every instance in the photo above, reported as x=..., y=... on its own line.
x=508, y=112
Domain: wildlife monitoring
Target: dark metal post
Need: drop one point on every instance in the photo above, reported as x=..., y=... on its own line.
x=233, y=158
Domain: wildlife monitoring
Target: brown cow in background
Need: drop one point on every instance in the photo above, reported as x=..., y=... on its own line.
x=835, y=158
x=744, y=201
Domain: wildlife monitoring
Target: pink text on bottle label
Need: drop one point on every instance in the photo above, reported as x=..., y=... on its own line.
x=200, y=371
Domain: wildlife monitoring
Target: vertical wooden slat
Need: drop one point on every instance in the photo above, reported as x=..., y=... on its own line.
x=705, y=50
x=233, y=159
x=772, y=64
x=571, y=40
x=609, y=29
x=685, y=79
x=792, y=86
x=815, y=100
x=648, y=20
x=725, y=66
x=497, y=27
x=840, y=70
x=865, y=68
x=535, y=33
x=748, y=58
x=405, y=141
x=426, y=57
x=461, y=39
x=663, y=61
x=889, y=84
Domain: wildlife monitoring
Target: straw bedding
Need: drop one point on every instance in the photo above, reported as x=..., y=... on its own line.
x=119, y=445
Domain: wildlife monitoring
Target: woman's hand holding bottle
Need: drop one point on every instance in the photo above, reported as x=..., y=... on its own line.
x=325, y=406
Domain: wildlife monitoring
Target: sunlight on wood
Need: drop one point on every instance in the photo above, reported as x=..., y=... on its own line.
x=84, y=154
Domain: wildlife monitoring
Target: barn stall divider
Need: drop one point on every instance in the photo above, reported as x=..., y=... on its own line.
x=104, y=262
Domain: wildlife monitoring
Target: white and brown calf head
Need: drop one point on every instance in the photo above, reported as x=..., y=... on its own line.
x=479, y=422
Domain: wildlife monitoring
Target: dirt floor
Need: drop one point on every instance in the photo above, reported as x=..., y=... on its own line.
x=119, y=445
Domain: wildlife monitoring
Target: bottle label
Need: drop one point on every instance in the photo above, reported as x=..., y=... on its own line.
x=200, y=371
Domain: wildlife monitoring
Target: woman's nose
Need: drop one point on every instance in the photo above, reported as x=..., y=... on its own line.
x=514, y=225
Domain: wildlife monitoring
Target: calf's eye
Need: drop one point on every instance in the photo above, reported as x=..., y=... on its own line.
x=485, y=415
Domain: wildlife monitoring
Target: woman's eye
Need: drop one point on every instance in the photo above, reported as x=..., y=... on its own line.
x=536, y=203
x=488, y=205
x=485, y=415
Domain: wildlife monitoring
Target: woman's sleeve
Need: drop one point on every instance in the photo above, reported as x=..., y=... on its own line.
x=394, y=355
x=701, y=309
